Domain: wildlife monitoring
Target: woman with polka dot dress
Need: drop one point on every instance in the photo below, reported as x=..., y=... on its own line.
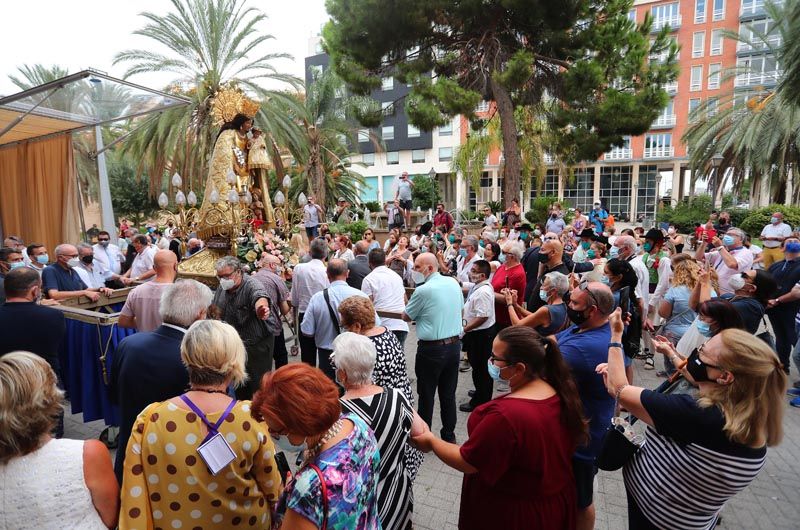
x=199, y=460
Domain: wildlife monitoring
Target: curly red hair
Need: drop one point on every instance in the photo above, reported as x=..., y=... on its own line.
x=297, y=399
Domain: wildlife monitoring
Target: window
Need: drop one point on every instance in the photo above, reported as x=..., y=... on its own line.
x=446, y=129
x=369, y=192
x=716, y=42
x=658, y=145
x=719, y=10
x=363, y=135
x=387, y=107
x=445, y=154
x=483, y=106
x=698, y=44
x=646, y=197
x=751, y=7
x=620, y=153
x=667, y=116
x=712, y=105
x=417, y=155
x=694, y=103
x=387, y=83
x=316, y=70
x=580, y=193
x=368, y=159
x=713, y=75
x=666, y=15
x=392, y=157
x=699, y=11
x=615, y=188
x=757, y=70
x=632, y=15
x=413, y=132
x=696, y=80
x=549, y=187
x=387, y=132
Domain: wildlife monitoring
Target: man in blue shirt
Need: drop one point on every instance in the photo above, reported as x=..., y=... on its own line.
x=321, y=319
x=60, y=282
x=436, y=306
x=585, y=345
x=597, y=217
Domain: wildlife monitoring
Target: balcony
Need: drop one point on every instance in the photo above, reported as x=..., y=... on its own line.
x=756, y=79
x=659, y=152
x=773, y=42
x=673, y=23
x=755, y=8
x=671, y=88
x=619, y=153
x=664, y=121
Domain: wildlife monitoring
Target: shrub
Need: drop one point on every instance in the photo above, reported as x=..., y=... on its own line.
x=421, y=194
x=757, y=219
x=355, y=229
x=469, y=215
x=373, y=206
x=539, y=209
x=685, y=214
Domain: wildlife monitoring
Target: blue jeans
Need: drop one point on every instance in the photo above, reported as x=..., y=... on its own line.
x=312, y=232
x=401, y=336
x=437, y=368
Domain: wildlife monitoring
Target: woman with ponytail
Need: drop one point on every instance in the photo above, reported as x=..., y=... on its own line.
x=517, y=463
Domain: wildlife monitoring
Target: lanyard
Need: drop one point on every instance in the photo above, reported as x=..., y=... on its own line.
x=212, y=428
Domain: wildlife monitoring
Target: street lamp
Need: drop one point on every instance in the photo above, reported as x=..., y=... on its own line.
x=432, y=175
x=716, y=162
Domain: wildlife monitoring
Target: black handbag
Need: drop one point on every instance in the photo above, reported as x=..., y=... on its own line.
x=617, y=448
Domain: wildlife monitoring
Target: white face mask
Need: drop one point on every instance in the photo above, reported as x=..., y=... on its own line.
x=418, y=277
x=226, y=284
x=74, y=262
x=736, y=282
x=671, y=231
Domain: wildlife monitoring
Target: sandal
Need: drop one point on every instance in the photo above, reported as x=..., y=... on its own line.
x=649, y=364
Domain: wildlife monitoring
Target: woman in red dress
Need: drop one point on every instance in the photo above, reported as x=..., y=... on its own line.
x=517, y=463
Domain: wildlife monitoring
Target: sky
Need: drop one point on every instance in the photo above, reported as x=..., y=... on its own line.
x=88, y=33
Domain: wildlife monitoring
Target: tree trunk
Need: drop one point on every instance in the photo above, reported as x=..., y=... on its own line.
x=508, y=128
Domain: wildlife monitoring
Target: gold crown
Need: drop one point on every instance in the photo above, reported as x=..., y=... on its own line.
x=231, y=101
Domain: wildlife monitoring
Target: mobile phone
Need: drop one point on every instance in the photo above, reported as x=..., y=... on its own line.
x=624, y=299
x=506, y=282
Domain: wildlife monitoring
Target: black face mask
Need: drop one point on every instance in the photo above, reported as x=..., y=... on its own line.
x=87, y=259
x=543, y=257
x=697, y=368
x=578, y=317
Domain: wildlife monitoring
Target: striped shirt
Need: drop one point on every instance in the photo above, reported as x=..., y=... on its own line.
x=687, y=469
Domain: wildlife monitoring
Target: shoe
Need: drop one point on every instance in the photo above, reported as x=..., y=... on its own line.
x=466, y=407
x=794, y=392
x=649, y=364
x=451, y=439
x=795, y=402
x=662, y=373
x=471, y=393
x=465, y=367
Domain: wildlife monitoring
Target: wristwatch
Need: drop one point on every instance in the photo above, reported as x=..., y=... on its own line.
x=615, y=345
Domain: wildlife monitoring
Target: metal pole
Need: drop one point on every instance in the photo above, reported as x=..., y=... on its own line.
x=22, y=116
x=105, y=189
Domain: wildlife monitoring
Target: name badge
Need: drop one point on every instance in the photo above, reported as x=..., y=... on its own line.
x=216, y=453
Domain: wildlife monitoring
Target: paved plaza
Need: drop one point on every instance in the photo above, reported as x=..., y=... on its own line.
x=771, y=502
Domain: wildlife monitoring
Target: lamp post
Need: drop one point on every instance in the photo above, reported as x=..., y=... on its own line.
x=432, y=175
x=716, y=162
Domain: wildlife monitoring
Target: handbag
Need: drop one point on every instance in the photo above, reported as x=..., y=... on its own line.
x=619, y=444
x=765, y=335
x=324, y=489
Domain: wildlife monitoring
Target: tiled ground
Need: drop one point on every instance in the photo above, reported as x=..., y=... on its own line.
x=771, y=502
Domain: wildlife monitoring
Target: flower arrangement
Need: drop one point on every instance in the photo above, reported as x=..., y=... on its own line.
x=253, y=244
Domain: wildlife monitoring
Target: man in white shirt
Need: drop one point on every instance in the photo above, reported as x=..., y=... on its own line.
x=107, y=253
x=38, y=257
x=729, y=259
x=307, y=280
x=772, y=237
x=142, y=268
x=93, y=273
x=385, y=288
x=312, y=216
x=626, y=250
x=489, y=219
x=479, y=332
x=468, y=255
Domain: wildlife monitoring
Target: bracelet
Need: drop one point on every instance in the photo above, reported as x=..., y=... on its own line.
x=619, y=391
x=615, y=345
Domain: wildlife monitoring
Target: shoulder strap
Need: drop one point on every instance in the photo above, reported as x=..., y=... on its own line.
x=324, y=489
x=332, y=313
x=213, y=428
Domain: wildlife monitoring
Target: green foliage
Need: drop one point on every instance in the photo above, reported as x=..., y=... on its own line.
x=128, y=196
x=469, y=215
x=496, y=207
x=540, y=207
x=686, y=213
x=354, y=230
x=758, y=219
x=373, y=206
x=426, y=192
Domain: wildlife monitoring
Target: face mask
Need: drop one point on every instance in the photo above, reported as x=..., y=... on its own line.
x=128, y=240
x=523, y=236
x=502, y=258
x=596, y=206
x=74, y=262
x=451, y=238
x=704, y=329
x=283, y=443
x=537, y=232
x=17, y=265
x=423, y=249
x=605, y=280
x=775, y=220
x=87, y=259
x=43, y=259
x=494, y=371
x=585, y=245
x=554, y=216
x=503, y=235
x=104, y=243
x=591, y=254
x=671, y=231
x=226, y=284
x=697, y=368
x=543, y=295
x=727, y=240
x=736, y=282
x=476, y=278
x=481, y=243
x=462, y=252
x=418, y=277
x=638, y=249
x=614, y=252
x=792, y=247
x=578, y=317
x=648, y=247
x=543, y=257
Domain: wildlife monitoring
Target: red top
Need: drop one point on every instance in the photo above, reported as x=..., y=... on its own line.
x=516, y=281
x=443, y=219
x=523, y=454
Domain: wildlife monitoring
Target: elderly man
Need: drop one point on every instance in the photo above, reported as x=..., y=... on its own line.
x=625, y=249
x=359, y=265
x=468, y=255
x=436, y=306
x=93, y=273
x=61, y=281
x=479, y=332
x=38, y=257
x=729, y=259
x=385, y=288
x=322, y=318
x=193, y=246
x=107, y=253
x=773, y=236
x=142, y=307
x=147, y=366
x=583, y=346
x=278, y=296
x=243, y=304
x=307, y=279
x=142, y=265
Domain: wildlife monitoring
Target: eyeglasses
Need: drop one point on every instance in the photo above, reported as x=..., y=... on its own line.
x=494, y=358
x=224, y=276
x=551, y=238
x=584, y=286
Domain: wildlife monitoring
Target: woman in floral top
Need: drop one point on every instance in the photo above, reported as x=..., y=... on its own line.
x=301, y=406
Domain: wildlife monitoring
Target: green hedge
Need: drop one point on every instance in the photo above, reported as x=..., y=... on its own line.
x=757, y=219
x=685, y=214
x=540, y=207
x=355, y=229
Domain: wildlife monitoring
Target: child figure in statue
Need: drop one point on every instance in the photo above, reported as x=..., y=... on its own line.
x=258, y=163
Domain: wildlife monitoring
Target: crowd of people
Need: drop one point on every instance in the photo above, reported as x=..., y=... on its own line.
x=219, y=429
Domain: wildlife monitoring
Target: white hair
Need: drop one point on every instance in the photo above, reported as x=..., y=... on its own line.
x=182, y=301
x=626, y=241
x=355, y=355
x=736, y=232
x=228, y=261
x=558, y=281
x=490, y=235
x=514, y=248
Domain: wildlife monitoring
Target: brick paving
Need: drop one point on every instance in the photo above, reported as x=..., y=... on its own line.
x=771, y=502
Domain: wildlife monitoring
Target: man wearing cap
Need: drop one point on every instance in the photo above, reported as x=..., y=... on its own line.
x=342, y=214
x=581, y=254
x=597, y=217
x=773, y=236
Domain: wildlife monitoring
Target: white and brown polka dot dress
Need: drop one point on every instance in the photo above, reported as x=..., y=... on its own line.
x=166, y=484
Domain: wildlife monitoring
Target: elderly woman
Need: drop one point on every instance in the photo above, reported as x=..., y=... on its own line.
x=518, y=458
x=713, y=444
x=510, y=275
x=199, y=457
x=336, y=484
x=548, y=319
x=45, y=482
x=391, y=417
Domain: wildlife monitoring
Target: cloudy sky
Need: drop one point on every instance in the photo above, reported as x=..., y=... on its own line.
x=88, y=33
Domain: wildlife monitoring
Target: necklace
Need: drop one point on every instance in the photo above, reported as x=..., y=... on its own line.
x=209, y=390
x=333, y=431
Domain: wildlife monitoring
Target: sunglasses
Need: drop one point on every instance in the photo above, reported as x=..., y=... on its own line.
x=584, y=286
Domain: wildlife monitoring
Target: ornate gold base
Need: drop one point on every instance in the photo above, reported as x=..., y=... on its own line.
x=200, y=267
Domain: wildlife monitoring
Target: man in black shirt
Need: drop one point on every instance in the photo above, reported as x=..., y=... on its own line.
x=551, y=254
x=782, y=309
x=358, y=266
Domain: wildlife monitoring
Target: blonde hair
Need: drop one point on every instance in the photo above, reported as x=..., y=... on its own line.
x=685, y=272
x=30, y=403
x=298, y=243
x=213, y=352
x=753, y=403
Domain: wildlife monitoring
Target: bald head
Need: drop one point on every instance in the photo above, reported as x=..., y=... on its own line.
x=426, y=264
x=554, y=251
x=592, y=302
x=165, y=262
x=361, y=248
x=268, y=259
x=337, y=270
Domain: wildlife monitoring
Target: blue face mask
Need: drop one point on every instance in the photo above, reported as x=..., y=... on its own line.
x=481, y=243
x=792, y=247
x=591, y=254
x=462, y=252
x=423, y=249
x=605, y=280
x=727, y=240
x=648, y=247
x=494, y=371
x=451, y=238
x=585, y=245
x=501, y=258
x=282, y=442
x=543, y=295
x=17, y=265
x=43, y=259
x=614, y=252
x=704, y=328
x=523, y=235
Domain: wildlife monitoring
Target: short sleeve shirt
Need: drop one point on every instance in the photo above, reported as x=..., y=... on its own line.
x=404, y=190
x=56, y=277
x=778, y=230
x=744, y=260
x=479, y=304
x=143, y=303
x=436, y=307
x=143, y=262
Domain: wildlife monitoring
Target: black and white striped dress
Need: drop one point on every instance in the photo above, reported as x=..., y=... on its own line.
x=389, y=415
x=688, y=468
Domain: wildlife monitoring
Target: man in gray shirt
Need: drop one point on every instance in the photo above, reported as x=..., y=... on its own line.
x=243, y=304
x=403, y=196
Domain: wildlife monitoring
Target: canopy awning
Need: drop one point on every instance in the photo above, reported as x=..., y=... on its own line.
x=77, y=101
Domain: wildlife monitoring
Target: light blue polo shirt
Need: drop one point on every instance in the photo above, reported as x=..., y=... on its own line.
x=436, y=307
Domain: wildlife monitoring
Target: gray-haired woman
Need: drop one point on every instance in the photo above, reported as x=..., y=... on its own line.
x=388, y=412
x=548, y=319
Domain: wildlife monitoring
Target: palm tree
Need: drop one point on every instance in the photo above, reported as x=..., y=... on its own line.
x=212, y=44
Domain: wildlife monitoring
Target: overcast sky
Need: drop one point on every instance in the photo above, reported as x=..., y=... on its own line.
x=88, y=33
